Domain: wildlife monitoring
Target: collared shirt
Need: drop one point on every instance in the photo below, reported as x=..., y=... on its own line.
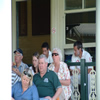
x=48, y=84
x=21, y=67
x=63, y=74
x=85, y=55
x=49, y=59
x=30, y=94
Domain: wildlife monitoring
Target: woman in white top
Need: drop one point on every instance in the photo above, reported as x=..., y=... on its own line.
x=34, y=66
x=61, y=69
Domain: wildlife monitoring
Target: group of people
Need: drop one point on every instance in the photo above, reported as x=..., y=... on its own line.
x=42, y=81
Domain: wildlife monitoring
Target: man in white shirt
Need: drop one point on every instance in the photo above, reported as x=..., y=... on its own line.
x=46, y=51
x=79, y=54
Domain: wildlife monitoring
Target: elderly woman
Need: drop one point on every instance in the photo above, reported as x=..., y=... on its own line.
x=61, y=69
x=25, y=90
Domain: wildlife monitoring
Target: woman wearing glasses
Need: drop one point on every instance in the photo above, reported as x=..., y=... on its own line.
x=25, y=90
x=61, y=69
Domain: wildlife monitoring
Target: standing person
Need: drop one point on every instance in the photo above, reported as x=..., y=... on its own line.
x=46, y=51
x=19, y=66
x=46, y=81
x=80, y=53
x=34, y=67
x=26, y=89
x=61, y=69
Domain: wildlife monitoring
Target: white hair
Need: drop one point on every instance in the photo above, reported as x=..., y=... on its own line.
x=43, y=56
x=59, y=52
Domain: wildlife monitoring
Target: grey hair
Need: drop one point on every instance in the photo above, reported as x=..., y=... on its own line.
x=29, y=71
x=43, y=56
x=59, y=52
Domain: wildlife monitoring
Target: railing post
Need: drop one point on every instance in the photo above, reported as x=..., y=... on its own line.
x=83, y=84
x=86, y=81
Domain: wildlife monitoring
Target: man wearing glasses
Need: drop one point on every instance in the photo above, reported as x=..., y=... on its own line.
x=19, y=66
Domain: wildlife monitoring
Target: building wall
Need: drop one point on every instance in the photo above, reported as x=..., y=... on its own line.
x=30, y=44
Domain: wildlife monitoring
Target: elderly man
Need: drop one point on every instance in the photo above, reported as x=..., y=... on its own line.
x=46, y=81
x=19, y=66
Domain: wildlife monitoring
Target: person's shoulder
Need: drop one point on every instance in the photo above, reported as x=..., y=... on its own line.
x=50, y=52
x=17, y=84
x=86, y=53
x=33, y=86
x=52, y=73
x=62, y=63
x=36, y=75
x=24, y=64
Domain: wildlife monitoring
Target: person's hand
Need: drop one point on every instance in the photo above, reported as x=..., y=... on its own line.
x=48, y=97
x=16, y=71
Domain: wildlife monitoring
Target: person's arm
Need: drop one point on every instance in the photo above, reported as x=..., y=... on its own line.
x=16, y=71
x=58, y=92
x=65, y=82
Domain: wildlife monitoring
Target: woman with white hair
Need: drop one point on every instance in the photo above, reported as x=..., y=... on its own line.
x=61, y=69
x=25, y=90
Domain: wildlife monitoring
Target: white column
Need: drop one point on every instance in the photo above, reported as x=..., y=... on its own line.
x=57, y=24
x=5, y=49
x=13, y=27
x=98, y=47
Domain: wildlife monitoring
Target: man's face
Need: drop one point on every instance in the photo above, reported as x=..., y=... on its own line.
x=76, y=51
x=45, y=51
x=18, y=57
x=42, y=66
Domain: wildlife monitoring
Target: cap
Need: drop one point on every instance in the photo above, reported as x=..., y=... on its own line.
x=18, y=50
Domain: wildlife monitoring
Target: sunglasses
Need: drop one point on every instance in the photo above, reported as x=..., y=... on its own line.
x=26, y=73
x=56, y=54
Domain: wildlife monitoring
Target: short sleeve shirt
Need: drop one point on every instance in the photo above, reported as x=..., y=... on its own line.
x=85, y=55
x=30, y=94
x=63, y=74
x=46, y=85
x=21, y=67
x=49, y=59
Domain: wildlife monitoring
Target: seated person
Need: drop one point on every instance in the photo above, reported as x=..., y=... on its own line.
x=25, y=89
x=19, y=66
x=34, y=66
x=15, y=78
x=61, y=69
x=46, y=81
x=46, y=51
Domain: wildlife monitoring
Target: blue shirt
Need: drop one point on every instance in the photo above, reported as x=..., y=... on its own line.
x=30, y=94
x=21, y=67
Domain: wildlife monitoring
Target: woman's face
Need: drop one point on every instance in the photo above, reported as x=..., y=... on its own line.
x=34, y=61
x=55, y=56
x=25, y=81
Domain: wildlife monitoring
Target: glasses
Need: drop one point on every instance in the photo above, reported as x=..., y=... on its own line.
x=56, y=54
x=26, y=73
